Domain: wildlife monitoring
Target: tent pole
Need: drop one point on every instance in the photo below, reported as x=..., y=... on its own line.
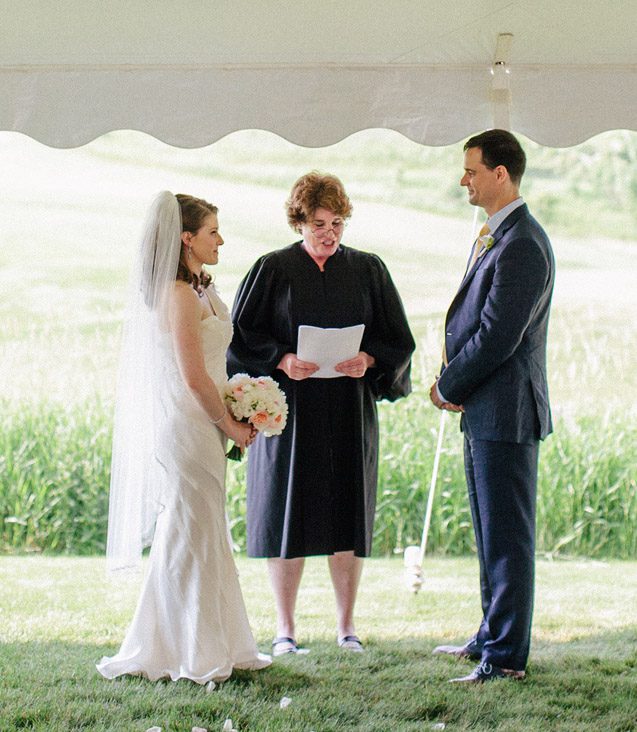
x=500, y=91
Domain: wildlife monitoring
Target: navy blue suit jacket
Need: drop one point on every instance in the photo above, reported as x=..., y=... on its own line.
x=495, y=336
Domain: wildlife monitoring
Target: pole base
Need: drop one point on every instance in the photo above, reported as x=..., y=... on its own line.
x=413, y=571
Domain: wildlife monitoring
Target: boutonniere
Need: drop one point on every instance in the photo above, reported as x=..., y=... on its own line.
x=486, y=242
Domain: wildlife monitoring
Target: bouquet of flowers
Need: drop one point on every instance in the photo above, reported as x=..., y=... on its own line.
x=257, y=400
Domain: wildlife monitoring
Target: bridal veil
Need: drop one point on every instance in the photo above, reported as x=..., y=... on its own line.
x=136, y=474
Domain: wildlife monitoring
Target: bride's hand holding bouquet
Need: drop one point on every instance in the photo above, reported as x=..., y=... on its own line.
x=258, y=402
x=241, y=433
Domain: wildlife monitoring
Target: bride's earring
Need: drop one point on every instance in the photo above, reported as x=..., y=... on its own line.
x=187, y=245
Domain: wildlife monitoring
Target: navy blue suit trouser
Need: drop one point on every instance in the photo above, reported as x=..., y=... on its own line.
x=502, y=483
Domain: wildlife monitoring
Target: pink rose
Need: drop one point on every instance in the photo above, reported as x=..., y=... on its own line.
x=260, y=419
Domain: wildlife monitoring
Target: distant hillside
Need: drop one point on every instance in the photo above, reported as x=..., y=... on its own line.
x=589, y=189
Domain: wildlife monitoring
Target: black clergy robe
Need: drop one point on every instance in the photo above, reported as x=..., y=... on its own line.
x=312, y=489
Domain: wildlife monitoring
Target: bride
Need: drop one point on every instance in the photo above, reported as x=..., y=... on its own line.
x=168, y=469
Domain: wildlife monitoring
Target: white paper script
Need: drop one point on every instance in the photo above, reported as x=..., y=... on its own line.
x=327, y=347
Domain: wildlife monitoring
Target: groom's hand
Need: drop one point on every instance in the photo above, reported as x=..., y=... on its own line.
x=437, y=401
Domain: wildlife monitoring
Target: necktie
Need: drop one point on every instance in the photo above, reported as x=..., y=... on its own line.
x=478, y=249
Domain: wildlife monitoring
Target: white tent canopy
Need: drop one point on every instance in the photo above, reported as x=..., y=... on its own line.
x=190, y=72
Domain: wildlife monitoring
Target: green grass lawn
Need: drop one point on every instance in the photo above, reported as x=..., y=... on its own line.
x=59, y=615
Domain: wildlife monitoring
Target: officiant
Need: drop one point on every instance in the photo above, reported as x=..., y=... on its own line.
x=312, y=490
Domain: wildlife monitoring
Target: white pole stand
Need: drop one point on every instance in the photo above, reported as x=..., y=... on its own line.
x=414, y=556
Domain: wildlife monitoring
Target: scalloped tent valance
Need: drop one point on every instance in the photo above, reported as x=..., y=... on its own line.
x=314, y=72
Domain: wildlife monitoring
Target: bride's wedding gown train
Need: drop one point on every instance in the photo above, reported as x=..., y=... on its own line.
x=190, y=620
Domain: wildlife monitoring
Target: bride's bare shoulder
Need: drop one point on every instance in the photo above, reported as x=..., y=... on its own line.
x=184, y=291
x=184, y=299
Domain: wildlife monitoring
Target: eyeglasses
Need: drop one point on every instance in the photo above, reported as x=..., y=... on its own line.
x=322, y=229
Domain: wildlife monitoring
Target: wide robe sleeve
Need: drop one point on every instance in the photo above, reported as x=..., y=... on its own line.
x=255, y=348
x=389, y=340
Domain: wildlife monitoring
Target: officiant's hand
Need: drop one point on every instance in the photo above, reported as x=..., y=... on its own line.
x=357, y=366
x=295, y=368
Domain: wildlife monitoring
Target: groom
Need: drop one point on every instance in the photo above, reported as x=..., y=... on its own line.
x=495, y=374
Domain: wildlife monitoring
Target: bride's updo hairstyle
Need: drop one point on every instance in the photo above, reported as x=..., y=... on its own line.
x=316, y=190
x=193, y=214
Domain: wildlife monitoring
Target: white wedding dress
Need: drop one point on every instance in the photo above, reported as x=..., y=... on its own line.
x=190, y=620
